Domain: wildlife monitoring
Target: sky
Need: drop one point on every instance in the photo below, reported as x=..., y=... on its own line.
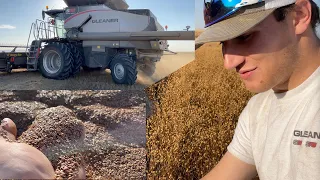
x=199, y=23
x=16, y=17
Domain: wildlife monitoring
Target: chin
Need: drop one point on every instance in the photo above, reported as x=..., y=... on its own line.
x=256, y=87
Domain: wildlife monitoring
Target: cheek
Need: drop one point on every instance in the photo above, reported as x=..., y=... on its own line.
x=268, y=42
x=274, y=69
x=267, y=67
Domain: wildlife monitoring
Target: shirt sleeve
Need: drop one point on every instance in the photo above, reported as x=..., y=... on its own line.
x=240, y=145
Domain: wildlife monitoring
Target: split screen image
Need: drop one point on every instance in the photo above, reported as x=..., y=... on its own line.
x=127, y=89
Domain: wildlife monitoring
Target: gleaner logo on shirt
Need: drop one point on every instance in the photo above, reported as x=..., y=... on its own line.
x=306, y=134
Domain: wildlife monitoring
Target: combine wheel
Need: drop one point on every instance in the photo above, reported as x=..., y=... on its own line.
x=123, y=69
x=77, y=59
x=56, y=61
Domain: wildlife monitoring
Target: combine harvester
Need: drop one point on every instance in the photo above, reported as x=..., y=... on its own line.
x=94, y=34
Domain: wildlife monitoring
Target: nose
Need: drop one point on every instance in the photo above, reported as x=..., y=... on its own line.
x=232, y=58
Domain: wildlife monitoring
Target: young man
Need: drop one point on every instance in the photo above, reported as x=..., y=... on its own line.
x=273, y=47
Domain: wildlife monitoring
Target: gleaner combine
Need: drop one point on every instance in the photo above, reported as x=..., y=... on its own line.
x=94, y=34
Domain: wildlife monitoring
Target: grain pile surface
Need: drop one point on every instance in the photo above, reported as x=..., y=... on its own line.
x=198, y=32
x=101, y=134
x=196, y=110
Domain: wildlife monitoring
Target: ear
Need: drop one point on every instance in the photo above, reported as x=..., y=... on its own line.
x=302, y=16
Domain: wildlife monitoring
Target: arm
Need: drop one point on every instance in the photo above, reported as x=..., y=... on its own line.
x=231, y=168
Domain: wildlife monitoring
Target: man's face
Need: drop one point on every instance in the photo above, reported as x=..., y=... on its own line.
x=265, y=56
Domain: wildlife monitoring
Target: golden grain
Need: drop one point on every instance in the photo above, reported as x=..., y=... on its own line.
x=195, y=113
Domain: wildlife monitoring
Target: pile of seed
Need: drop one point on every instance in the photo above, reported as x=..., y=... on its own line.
x=118, y=162
x=112, y=98
x=106, y=156
x=102, y=132
x=196, y=110
x=22, y=112
x=57, y=133
x=68, y=166
x=105, y=115
x=4, y=135
x=7, y=96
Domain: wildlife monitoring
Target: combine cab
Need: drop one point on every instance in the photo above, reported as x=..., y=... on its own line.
x=98, y=34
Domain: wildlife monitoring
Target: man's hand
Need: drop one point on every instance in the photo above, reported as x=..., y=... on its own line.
x=231, y=168
x=22, y=161
x=9, y=126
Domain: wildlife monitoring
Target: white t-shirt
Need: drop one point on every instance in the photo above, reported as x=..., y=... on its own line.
x=280, y=133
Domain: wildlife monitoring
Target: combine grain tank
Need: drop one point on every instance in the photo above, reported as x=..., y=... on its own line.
x=114, y=4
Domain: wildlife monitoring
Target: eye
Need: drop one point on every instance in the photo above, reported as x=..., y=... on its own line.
x=244, y=37
x=223, y=48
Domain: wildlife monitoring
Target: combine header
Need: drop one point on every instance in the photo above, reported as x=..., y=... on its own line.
x=98, y=34
x=12, y=60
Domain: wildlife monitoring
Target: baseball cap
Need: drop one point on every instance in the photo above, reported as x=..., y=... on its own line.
x=226, y=20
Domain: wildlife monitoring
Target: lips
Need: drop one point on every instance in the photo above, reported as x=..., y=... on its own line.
x=246, y=71
x=245, y=74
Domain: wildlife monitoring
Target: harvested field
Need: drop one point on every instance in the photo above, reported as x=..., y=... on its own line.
x=21, y=79
x=100, y=132
x=196, y=110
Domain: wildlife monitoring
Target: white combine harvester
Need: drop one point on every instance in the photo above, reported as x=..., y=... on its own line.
x=101, y=34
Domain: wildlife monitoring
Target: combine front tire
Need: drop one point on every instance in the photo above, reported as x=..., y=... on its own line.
x=123, y=69
x=56, y=61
